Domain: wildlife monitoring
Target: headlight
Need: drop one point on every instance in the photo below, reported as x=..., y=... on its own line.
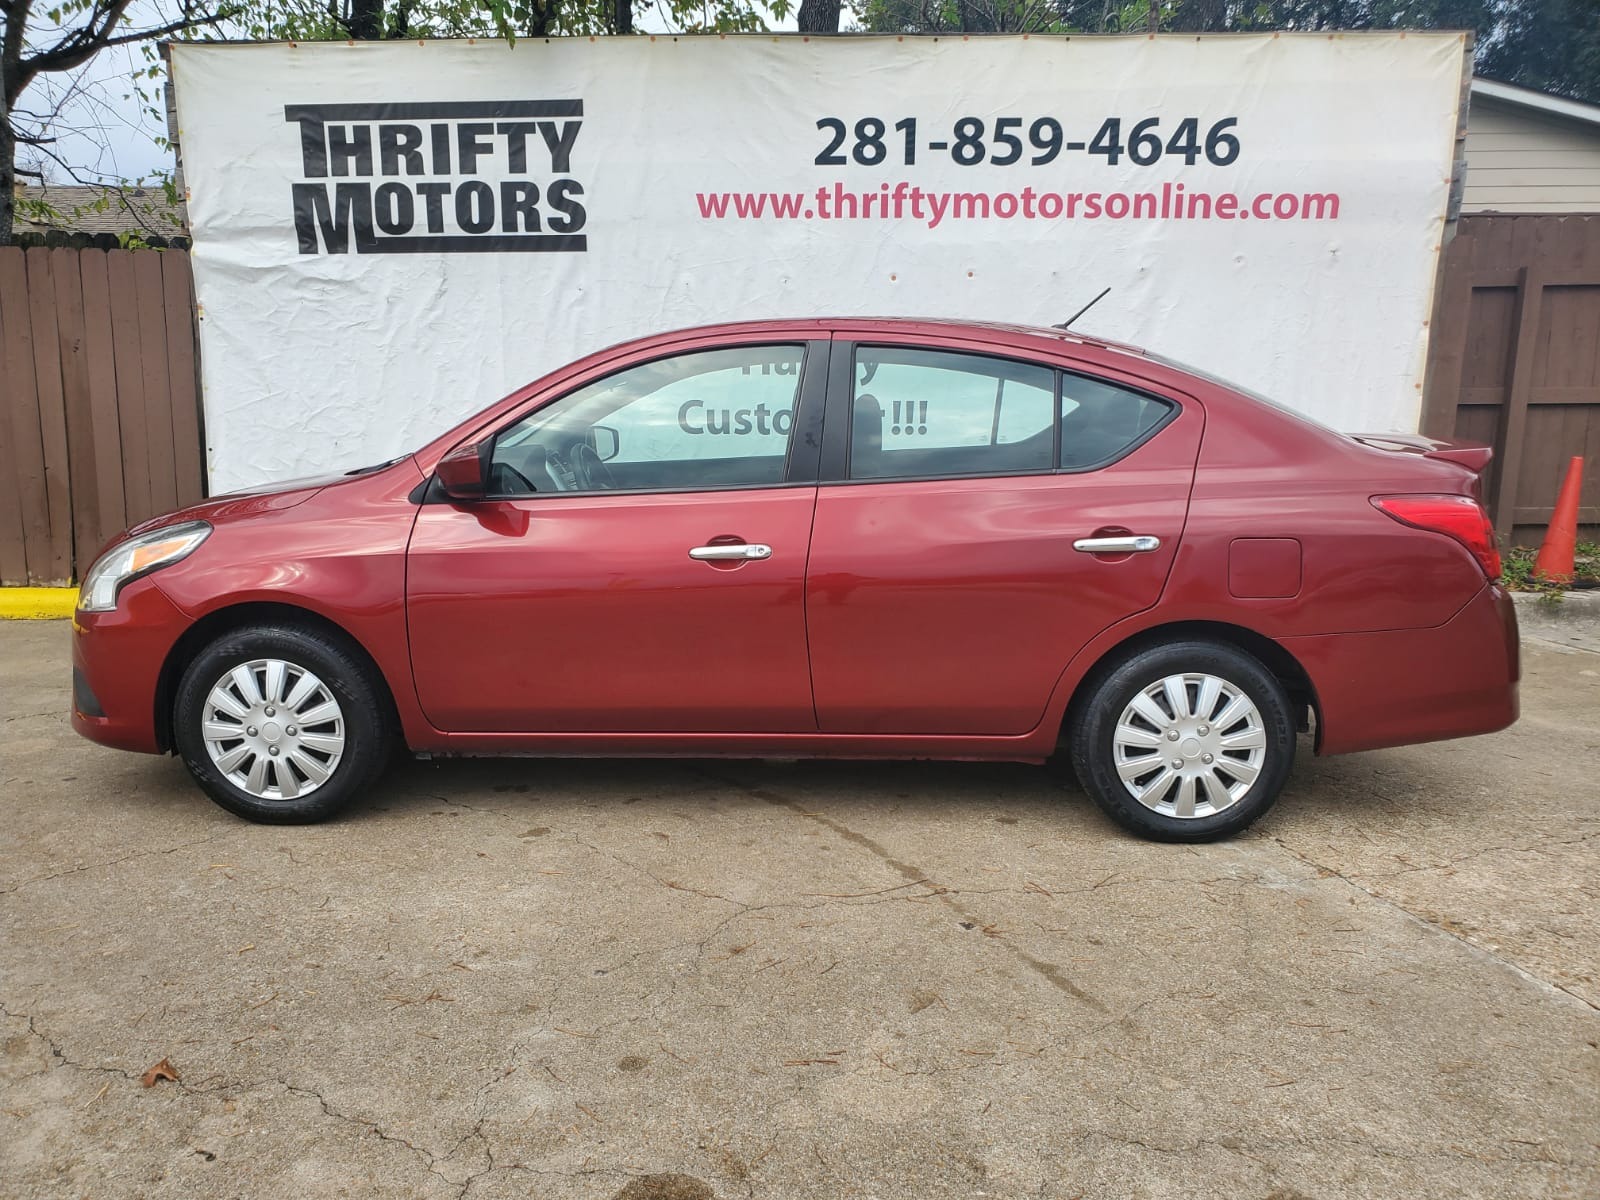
x=135, y=557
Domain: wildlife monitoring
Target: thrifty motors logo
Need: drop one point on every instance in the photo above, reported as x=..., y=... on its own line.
x=439, y=177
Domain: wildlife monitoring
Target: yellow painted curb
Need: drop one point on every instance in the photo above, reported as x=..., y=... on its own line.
x=36, y=604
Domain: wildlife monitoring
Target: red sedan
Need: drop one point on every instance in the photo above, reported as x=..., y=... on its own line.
x=866, y=538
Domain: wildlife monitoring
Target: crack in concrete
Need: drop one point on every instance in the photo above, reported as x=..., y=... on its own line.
x=478, y=808
x=463, y=1184
x=59, y=1057
x=1355, y=883
x=1238, y=1145
x=1545, y=842
x=915, y=879
x=1553, y=644
x=1050, y=972
x=1000, y=1060
x=49, y=712
x=428, y=1159
x=432, y=1161
x=78, y=870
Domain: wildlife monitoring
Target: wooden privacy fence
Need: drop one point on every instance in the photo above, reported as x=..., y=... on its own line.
x=100, y=420
x=1515, y=360
x=99, y=402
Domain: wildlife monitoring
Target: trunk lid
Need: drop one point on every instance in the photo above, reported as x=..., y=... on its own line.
x=1471, y=455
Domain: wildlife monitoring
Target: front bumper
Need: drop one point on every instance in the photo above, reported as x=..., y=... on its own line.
x=1403, y=686
x=117, y=658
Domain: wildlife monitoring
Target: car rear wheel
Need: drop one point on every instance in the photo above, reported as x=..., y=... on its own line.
x=281, y=725
x=1185, y=742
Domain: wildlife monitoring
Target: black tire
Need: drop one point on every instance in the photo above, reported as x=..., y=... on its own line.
x=1091, y=739
x=368, y=728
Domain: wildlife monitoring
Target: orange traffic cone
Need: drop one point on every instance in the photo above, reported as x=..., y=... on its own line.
x=1554, y=563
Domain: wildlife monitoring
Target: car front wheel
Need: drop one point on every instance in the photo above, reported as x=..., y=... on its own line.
x=280, y=724
x=1187, y=742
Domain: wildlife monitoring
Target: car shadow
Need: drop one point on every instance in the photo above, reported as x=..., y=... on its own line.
x=513, y=784
x=1375, y=786
x=1360, y=787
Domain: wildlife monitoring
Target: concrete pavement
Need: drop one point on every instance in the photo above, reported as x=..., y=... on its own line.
x=671, y=981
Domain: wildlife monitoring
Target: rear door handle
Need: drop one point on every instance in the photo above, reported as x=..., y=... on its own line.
x=1131, y=544
x=734, y=553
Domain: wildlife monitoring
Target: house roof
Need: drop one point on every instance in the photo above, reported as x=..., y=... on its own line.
x=84, y=209
x=1535, y=101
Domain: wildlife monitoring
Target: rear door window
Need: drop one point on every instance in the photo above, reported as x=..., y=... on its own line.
x=933, y=413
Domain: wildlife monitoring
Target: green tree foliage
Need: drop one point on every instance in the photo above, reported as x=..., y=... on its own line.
x=1552, y=45
x=371, y=20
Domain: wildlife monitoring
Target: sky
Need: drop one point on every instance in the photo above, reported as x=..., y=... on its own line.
x=105, y=131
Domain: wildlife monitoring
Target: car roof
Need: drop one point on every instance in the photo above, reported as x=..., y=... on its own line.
x=1014, y=330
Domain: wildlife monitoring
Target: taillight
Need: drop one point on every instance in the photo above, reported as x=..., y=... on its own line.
x=1461, y=517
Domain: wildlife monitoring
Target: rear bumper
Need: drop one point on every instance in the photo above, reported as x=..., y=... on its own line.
x=116, y=667
x=1403, y=686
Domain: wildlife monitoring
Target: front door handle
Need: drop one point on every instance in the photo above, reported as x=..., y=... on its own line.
x=735, y=553
x=1130, y=544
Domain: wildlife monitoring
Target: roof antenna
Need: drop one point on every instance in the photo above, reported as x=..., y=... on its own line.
x=1067, y=324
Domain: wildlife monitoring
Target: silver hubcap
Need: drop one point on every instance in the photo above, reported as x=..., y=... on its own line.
x=273, y=729
x=1189, y=746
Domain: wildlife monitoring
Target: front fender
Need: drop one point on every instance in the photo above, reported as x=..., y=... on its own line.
x=340, y=554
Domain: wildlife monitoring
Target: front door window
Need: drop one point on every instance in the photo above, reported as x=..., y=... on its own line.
x=711, y=419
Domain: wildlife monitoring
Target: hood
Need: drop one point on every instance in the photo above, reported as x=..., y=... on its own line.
x=248, y=503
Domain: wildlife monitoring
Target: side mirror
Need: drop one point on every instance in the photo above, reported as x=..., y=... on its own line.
x=605, y=442
x=462, y=472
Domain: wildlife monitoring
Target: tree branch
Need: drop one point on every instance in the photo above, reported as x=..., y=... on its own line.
x=98, y=23
x=173, y=27
x=86, y=42
x=79, y=46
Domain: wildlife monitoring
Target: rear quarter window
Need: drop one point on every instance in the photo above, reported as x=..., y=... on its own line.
x=1100, y=421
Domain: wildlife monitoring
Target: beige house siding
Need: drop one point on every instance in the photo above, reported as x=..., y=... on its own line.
x=1524, y=162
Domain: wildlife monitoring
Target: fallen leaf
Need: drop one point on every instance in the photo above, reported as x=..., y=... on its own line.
x=162, y=1070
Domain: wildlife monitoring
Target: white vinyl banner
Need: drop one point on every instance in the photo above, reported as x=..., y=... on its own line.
x=388, y=236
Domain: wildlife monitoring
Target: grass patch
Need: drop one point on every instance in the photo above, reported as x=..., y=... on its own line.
x=1517, y=570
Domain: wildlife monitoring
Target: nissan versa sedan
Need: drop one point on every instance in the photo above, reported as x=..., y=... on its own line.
x=862, y=538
